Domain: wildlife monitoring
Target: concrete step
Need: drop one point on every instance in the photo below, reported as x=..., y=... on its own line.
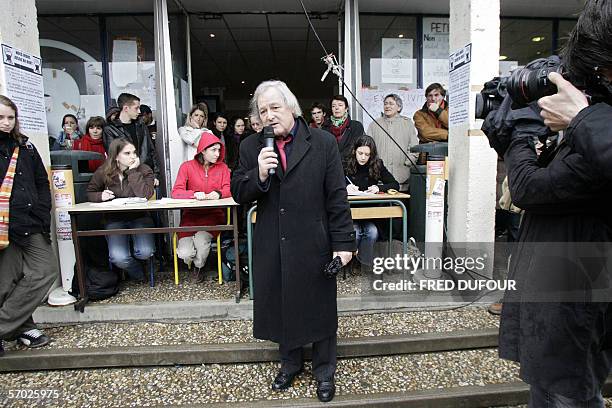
x=469, y=378
x=229, y=310
x=245, y=352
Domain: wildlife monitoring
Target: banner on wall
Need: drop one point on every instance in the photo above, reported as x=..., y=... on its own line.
x=24, y=86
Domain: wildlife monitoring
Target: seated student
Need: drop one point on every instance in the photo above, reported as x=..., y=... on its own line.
x=69, y=133
x=92, y=141
x=366, y=172
x=122, y=176
x=206, y=177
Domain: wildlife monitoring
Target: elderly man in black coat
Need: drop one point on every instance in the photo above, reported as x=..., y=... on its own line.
x=303, y=221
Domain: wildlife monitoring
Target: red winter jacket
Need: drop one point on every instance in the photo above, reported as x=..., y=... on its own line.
x=192, y=178
x=92, y=145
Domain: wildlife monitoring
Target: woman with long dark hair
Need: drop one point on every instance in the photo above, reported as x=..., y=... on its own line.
x=219, y=129
x=27, y=261
x=365, y=171
x=123, y=176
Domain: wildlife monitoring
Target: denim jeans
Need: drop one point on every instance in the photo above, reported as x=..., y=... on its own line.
x=366, y=234
x=120, y=251
x=540, y=398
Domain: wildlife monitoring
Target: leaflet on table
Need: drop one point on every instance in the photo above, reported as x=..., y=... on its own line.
x=360, y=193
x=121, y=202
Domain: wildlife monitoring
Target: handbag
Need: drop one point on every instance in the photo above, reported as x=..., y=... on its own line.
x=5, y=197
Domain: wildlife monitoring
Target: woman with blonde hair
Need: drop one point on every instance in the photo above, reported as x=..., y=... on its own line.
x=192, y=131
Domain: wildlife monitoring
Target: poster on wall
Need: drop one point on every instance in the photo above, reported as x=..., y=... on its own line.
x=125, y=62
x=373, y=100
x=24, y=86
x=396, y=65
x=435, y=50
x=459, y=91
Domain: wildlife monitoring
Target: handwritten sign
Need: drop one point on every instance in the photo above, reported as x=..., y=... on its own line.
x=435, y=50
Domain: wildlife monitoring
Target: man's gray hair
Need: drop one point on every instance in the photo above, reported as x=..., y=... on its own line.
x=286, y=95
x=397, y=100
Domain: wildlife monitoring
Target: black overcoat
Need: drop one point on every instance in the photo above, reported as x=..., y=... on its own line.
x=562, y=346
x=302, y=216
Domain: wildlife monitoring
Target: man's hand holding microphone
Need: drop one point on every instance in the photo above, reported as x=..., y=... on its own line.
x=267, y=160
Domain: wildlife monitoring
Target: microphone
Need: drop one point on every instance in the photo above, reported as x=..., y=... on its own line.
x=268, y=134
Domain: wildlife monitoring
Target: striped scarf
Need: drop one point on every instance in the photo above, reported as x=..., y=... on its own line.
x=5, y=197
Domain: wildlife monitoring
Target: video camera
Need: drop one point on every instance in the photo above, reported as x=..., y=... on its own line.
x=524, y=85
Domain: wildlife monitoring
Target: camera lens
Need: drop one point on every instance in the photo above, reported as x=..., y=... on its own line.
x=526, y=85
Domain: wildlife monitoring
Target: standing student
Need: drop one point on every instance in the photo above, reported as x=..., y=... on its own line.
x=127, y=125
x=194, y=126
x=123, y=176
x=92, y=141
x=69, y=133
x=28, y=266
x=340, y=124
x=365, y=171
x=205, y=177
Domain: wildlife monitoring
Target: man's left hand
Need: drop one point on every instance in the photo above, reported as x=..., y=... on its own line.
x=345, y=256
x=559, y=109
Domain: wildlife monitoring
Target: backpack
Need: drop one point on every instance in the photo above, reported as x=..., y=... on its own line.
x=228, y=265
x=101, y=281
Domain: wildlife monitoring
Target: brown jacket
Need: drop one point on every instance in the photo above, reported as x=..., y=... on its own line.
x=138, y=182
x=432, y=127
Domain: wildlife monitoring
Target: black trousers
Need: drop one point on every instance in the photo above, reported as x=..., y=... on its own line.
x=323, y=358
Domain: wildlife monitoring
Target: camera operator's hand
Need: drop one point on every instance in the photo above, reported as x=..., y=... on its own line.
x=559, y=109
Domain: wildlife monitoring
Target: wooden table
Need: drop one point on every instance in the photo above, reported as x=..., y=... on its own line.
x=153, y=205
x=363, y=207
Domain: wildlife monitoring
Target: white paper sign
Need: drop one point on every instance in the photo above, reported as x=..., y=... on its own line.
x=125, y=62
x=24, y=86
x=373, y=100
x=396, y=66
x=435, y=51
x=459, y=90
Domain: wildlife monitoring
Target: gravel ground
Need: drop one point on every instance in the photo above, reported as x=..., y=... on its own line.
x=139, y=387
x=189, y=288
x=239, y=331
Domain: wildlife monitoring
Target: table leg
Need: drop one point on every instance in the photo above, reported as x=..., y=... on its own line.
x=236, y=251
x=80, y=304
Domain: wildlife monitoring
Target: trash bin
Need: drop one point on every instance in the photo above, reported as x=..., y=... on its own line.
x=77, y=159
x=418, y=185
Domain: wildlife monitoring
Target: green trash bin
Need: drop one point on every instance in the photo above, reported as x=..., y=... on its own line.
x=418, y=182
x=77, y=160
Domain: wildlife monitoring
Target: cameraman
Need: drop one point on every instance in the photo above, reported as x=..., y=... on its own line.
x=563, y=345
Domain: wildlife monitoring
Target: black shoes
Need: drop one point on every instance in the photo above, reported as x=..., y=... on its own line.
x=33, y=338
x=326, y=390
x=283, y=380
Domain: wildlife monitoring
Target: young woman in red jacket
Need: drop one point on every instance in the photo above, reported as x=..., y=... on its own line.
x=206, y=177
x=92, y=141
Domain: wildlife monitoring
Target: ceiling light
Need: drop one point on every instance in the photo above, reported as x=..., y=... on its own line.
x=401, y=36
x=503, y=57
x=538, y=39
x=211, y=35
x=242, y=82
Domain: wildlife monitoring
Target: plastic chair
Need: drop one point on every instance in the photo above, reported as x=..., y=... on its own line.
x=218, y=249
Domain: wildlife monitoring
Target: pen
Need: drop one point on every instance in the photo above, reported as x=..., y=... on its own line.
x=349, y=180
